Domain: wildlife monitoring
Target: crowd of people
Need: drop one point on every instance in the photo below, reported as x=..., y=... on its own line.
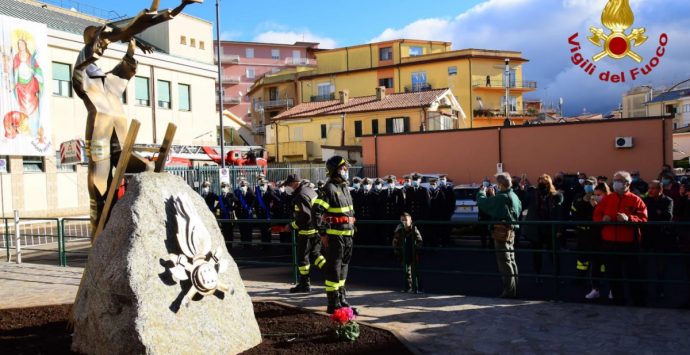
x=627, y=199
x=509, y=198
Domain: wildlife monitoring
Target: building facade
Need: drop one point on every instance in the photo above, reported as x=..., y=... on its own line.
x=646, y=101
x=245, y=62
x=173, y=84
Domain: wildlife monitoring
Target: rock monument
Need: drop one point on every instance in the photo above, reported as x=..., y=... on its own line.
x=160, y=279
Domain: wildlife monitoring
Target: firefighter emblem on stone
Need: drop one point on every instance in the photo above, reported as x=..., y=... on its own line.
x=617, y=17
x=197, y=261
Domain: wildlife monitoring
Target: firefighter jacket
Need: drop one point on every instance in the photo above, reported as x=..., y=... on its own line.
x=333, y=209
x=304, y=222
x=611, y=205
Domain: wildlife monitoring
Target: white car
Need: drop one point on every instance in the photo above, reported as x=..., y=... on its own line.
x=466, y=209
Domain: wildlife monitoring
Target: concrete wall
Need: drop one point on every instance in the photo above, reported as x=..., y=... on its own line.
x=470, y=155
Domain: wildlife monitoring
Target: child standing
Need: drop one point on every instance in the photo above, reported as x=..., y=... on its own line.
x=406, y=241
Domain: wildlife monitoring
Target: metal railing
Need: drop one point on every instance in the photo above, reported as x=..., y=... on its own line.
x=231, y=100
x=230, y=79
x=261, y=105
x=68, y=232
x=418, y=87
x=325, y=97
x=520, y=84
x=299, y=61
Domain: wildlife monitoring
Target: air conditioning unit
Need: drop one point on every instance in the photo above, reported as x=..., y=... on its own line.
x=624, y=142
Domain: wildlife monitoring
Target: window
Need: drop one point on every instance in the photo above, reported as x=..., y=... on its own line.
x=386, y=53
x=686, y=108
x=33, y=164
x=386, y=82
x=183, y=97
x=452, y=70
x=192, y=42
x=418, y=80
x=397, y=125
x=358, y=128
x=62, y=74
x=202, y=45
x=297, y=134
x=416, y=51
x=324, y=131
x=164, y=94
x=325, y=89
x=250, y=73
x=374, y=127
x=141, y=87
x=70, y=168
x=4, y=164
x=123, y=98
x=438, y=122
x=275, y=53
x=249, y=52
x=273, y=94
x=513, y=104
x=183, y=40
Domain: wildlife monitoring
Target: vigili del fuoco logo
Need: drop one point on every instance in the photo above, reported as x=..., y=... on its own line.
x=617, y=42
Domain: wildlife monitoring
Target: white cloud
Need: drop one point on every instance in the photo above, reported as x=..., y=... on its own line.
x=540, y=30
x=289, y=37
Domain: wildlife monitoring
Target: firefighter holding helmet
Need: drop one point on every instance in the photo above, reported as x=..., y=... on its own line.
x=335, y=213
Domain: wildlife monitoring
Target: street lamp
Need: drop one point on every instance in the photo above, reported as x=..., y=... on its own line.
x=220, y=87
x=507, y=84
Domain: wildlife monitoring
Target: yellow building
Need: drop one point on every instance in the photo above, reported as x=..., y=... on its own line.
x=318, y=130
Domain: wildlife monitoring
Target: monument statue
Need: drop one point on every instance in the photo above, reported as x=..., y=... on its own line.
x=107, y=125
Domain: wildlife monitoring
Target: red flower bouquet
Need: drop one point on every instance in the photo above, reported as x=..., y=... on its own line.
x=345, y=326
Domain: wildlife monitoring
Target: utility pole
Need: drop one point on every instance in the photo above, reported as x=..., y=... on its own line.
x=220, y=87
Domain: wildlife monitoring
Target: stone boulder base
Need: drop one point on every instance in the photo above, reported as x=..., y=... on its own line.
x=129, y=303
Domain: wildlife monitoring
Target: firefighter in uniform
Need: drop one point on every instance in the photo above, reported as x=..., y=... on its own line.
x=392, y=203
x=304, y=224
x=334, y=211
x=418, y=201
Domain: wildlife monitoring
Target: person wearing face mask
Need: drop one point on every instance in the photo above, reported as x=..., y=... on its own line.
x=417, y=200
x=583, y=210
x=671, y=188
x=638, y=186
x=658, y=239
x=406, y=237
x=209, y=196
x=545, y=204
x=483, y=230
x=447, y=189
x=244, y=209
x=265, y=199
x=365, y=203
x=226, y=208
x=305, y=226
x=283, y=210
x=356, y=184
x=597, y=266
x=392, y=203
x=334, y=212
x=505, y=206
x=438, y=211
x=622, y=206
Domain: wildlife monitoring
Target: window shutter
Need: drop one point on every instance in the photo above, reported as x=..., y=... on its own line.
x=389, y=125
x=358, y=128
x=406, y=124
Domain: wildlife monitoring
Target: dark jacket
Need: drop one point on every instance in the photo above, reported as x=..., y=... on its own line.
x=334, y=203
x=639, y=187
x=417, y=202
x=304, y=221
x=244, y=207
x=406, y=239
x=438, y=207
x=392, y=202
x=264, y=202
x=226, y=205
x=658, y=209
x=547, y=207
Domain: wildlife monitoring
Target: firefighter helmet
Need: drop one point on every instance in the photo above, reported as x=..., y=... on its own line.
x=334, y=163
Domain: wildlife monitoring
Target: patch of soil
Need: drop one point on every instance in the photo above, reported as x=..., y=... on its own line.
x=285, y=330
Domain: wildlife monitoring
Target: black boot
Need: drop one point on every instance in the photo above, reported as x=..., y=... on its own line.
x=303, y=286
x=342, y=296
x=333, y=301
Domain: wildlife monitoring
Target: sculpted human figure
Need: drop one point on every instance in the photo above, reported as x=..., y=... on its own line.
x=106, y=126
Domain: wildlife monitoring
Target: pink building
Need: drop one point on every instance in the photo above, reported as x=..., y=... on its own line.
x=245, y=62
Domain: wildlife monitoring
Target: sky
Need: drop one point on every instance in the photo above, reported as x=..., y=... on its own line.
x=538, y=28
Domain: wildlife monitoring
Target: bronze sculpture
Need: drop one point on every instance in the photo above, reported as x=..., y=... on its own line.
x=101, y=92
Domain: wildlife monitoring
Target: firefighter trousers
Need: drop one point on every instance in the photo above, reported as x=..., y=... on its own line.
x=309, y=248
x=338, y=255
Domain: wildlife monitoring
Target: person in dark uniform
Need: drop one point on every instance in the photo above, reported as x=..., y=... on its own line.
x=226, y=209
x=447, y=188
x=639, y=187
x=335, y=214
x=319, y=185
x=391, y=204
x=305, y=225
x=438, y=211
x=244, y=209
x=582, y=209
x=209, y=196
x=265, y=198
x=356, y=184
x=659, y=239
x=367, y=201
x=283, y=210
x=418, y=201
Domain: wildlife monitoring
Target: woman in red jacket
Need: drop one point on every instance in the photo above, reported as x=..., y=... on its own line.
x=622, y=206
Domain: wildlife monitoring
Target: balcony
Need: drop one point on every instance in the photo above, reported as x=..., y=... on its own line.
x=260, y=129
x=418, y=87
x=280, y=103
x=230, y=79
x=500, y=113
x=499, y=84
x=233, y=59
x=299, y=61
x=231, y=100
x=326, y=97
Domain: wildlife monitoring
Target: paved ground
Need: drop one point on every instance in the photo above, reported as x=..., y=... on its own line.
x=438, y=324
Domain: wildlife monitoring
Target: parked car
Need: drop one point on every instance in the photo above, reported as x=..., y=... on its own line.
x=466, y=209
